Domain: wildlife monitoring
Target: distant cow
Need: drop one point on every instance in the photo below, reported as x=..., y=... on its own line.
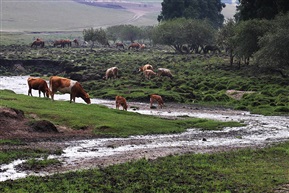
x=134, y=45
x=145, y=67
x=142, y=46
x=164, y=72
x=119, y=45
x=65, y=85
x=158, y=99
x=38, y=84
x=211, y=48
x=111, y=73
x=38, y=42
x=148, y=74
x=119, y=100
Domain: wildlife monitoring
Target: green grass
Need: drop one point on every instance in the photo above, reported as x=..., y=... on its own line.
x=104, y=121
x=255, y=171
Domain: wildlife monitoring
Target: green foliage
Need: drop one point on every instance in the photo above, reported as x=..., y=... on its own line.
x=247, y=35
x=193, y=9
x=124, y=32
x=273, y=52
x=36, y=164
x=184, y=32
x=95, y=35
x=259, y=9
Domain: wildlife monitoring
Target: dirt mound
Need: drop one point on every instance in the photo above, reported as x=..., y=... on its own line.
x=43, y=126
x=10, y=121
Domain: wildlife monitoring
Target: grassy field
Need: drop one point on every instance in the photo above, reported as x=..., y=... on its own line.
x=63, y=15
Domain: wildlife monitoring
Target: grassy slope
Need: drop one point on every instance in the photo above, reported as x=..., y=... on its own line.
x=100, y=118
x=62, y=15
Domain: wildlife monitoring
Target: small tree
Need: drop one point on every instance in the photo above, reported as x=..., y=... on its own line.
x=247, y=36
x=184, y=33
x=226, y=39
x=273, y=52
x=94, y=35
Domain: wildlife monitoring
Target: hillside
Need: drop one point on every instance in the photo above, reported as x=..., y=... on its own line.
x=68, y=15
x=75, y=15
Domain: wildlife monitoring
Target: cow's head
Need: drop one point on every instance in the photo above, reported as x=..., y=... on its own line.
x=86, y=98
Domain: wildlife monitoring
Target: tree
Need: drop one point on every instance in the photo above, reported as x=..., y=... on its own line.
x=226, y=38
x=124, y=32
x=193, y=9
x=184, y=33
x=94, y=35
x=247, y=34
x=260, y=9
x=273, y=52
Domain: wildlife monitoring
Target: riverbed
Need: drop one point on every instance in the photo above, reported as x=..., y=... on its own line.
x=259, y=131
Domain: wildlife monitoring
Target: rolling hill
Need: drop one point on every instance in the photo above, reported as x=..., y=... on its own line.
x=75, y=15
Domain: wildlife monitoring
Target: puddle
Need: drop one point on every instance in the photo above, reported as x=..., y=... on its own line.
x=258, y=132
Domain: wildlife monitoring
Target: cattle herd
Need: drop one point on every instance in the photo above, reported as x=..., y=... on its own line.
x=74, y=88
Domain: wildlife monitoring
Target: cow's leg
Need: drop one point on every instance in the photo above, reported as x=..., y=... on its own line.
x=29, y=92
x=52, y=95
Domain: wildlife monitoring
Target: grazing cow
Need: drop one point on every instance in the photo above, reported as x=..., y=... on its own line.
x=134, y=45
x=149, y=73
x=164, y=72
x=111, y=73
x=145, y=67
x=119, y=100
x=75, y=41
x=211, y=48
x=65, y=85
x=38, y=84
x=158, y=99
x=38, y=42
x=119, y=45
x=142, y=46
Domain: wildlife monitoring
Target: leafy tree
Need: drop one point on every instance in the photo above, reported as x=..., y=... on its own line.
x=226, y=38
x=260, y=9
x=194, y=9
x=124, y=32
x=273, y=52
x=130, y=32
x=184, y=33
x=94, y=35
x=247, y=36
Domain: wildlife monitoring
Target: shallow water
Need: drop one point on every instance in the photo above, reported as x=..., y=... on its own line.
x=258, y=132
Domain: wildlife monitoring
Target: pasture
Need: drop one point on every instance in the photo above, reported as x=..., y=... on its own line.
x=198, y=80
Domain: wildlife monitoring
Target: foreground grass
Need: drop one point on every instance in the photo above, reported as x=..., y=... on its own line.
x=255, y=171
x=103, y=121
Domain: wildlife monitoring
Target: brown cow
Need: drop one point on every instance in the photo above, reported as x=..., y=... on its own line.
x=65, y=85
x=38, y=84
x=134, y=45
x=145, y=67
x=38, y=42
x=164, y=72
x=156, y=98
x=119, y=100
x=149, y=73
x=111, y=73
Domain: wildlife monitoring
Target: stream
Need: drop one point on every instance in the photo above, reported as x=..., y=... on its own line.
x=259, y=131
